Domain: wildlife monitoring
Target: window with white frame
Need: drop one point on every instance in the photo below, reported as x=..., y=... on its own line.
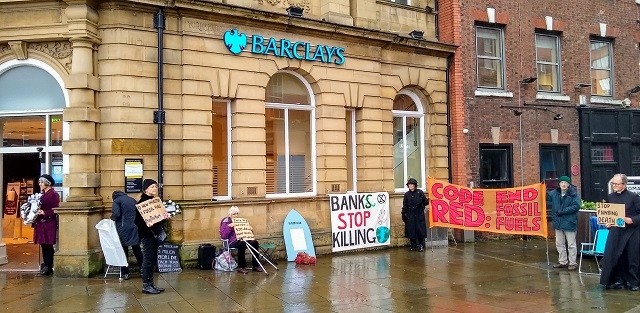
x=290, y=135
x=408, y=141
x=548, y=63
x=220, y=155
x=490, y=57
x=601, y=68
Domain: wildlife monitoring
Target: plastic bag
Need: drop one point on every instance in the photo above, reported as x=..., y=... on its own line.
x=29, y=210
x=225, y=262
x=110, y=243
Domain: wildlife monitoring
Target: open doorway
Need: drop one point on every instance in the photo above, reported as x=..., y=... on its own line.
x=20, y=172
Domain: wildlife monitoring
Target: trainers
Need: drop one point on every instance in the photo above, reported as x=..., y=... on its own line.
x=559, y=265
x=572, y=267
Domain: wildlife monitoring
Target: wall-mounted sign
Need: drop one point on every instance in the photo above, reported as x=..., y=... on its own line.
x=300, y=50
x=133, y=175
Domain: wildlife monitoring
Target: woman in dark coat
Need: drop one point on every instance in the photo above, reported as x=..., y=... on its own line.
x=123, y=213
x=46, y=223
x=147, y=239
x=413, y=215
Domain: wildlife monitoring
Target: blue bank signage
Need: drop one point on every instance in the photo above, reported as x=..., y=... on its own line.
x=236, y=42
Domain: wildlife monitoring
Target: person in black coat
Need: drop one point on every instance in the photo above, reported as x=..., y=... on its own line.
x=621, y=259
x=148, y=240
x=123, y=213
x=413, y=215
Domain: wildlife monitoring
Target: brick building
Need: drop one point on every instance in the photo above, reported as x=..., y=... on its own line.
x=265, y=110
x=549, y=89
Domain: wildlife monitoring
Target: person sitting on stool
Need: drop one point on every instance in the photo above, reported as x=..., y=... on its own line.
x=227, y=232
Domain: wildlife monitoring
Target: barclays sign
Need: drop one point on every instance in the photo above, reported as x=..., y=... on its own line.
x=236, y=42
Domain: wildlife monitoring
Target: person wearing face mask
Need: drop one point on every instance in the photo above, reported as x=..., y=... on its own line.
x=621, y=259
x=413, y=215
x=565, y=204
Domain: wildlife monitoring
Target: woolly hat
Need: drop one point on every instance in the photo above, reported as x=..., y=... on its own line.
x=564, y=178
x=49, y=178
x=412, y=181
x=148, y=182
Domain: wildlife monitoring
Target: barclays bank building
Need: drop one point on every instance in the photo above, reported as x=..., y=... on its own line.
x=246, y=103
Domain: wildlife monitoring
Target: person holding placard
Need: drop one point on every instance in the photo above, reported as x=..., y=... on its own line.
x=148, y=240
x=46, y=223
x=621, y=259
x=227, y=232
x=565, y=204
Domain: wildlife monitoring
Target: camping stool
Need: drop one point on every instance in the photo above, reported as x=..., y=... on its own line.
x=267, y=249
x=116, y=270
x=225, y=247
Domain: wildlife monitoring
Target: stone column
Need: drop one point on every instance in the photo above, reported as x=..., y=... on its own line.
x=79, y=254
x=248, y=148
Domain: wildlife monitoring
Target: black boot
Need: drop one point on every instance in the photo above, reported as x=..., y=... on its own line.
x=156, y=287
x=44, y=271
x=148, y=288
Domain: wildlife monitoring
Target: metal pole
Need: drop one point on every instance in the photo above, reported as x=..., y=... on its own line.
x=158, y=117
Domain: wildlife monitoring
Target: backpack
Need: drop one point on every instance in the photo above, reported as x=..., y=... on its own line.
x=225, y=262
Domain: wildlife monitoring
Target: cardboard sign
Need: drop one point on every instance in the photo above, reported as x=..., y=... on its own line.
x=610, y=213
x=243, y=229
x=152, y=210
x=169, y=258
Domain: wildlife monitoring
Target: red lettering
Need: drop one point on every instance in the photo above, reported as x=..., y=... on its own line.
x=451, y=193
x=515, y=196
x=465, y=196
x=455, y=213
x=435, y=190
x=530, y=194
x=501, y=197
x=478, y=198
x=344, y=224
x=438, y=210
x=469, y=212
x=367, y=215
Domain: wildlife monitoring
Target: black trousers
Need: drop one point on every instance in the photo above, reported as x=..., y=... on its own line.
x=137, y=252
x=242, y=248
x=149, y=250
x=47, y=255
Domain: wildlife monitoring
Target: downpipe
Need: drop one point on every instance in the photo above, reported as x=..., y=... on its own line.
x=158, y=115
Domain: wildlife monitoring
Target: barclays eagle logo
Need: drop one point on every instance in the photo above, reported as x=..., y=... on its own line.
x=235, y=41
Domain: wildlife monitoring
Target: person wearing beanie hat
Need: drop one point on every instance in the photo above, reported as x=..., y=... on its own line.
x=565, y=204
x=46, y=224
x=147, y=239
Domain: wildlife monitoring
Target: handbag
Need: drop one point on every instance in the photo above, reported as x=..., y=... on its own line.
x=160, y=237
x=225, y=262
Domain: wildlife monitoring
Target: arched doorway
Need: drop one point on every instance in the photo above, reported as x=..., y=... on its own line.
x=32, y=128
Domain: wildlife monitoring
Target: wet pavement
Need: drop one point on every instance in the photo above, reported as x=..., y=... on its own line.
x=487, y=276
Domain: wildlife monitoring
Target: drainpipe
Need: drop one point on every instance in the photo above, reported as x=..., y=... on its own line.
x=448, y=84
x=158, y=116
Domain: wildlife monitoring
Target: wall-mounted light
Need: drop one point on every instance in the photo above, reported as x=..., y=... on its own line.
x=528, y=80
x=518, y=110
x=582, y=85
x=417, y=34
x=429, y=9
x=295, y=11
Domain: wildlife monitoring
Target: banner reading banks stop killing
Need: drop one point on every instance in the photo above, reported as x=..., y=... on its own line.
x=359, y=220
x=519, y=210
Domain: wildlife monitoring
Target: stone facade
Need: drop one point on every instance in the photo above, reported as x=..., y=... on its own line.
x=107, y=54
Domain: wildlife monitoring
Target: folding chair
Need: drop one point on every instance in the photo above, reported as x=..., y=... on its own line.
x=267, y=250
x=597, y=249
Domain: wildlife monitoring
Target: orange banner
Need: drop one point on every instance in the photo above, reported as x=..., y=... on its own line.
x=520, y=210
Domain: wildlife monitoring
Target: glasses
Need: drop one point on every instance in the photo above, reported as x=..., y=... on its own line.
x=616, y=184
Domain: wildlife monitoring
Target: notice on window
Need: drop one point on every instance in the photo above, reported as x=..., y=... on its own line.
x=610, y=213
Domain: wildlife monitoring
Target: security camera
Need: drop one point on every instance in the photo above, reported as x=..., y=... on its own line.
x=626, y=103
x=39, y=149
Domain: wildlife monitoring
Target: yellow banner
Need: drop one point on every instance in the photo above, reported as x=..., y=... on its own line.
x=521, y=210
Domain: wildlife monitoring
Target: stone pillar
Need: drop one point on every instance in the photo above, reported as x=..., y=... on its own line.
x=336, y=11
x=248, y=148
x=79, y=254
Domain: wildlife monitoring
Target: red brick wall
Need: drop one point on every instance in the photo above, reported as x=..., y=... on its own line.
x=577, y=19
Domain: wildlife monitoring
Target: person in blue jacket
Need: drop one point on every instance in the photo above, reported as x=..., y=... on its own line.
x=565, y=204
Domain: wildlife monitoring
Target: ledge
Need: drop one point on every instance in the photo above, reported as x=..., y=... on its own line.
x=487, y=93
x=552, y=97
x=604, y=100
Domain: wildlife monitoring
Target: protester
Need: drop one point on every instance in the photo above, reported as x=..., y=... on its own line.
x=565, y=204
x=123, y=213
x=46, y=223
x=148, y=240
x=228, y=232
x=413, y=215
x=621, y=258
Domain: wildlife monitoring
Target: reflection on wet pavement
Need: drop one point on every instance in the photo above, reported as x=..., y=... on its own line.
x=488, y=276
